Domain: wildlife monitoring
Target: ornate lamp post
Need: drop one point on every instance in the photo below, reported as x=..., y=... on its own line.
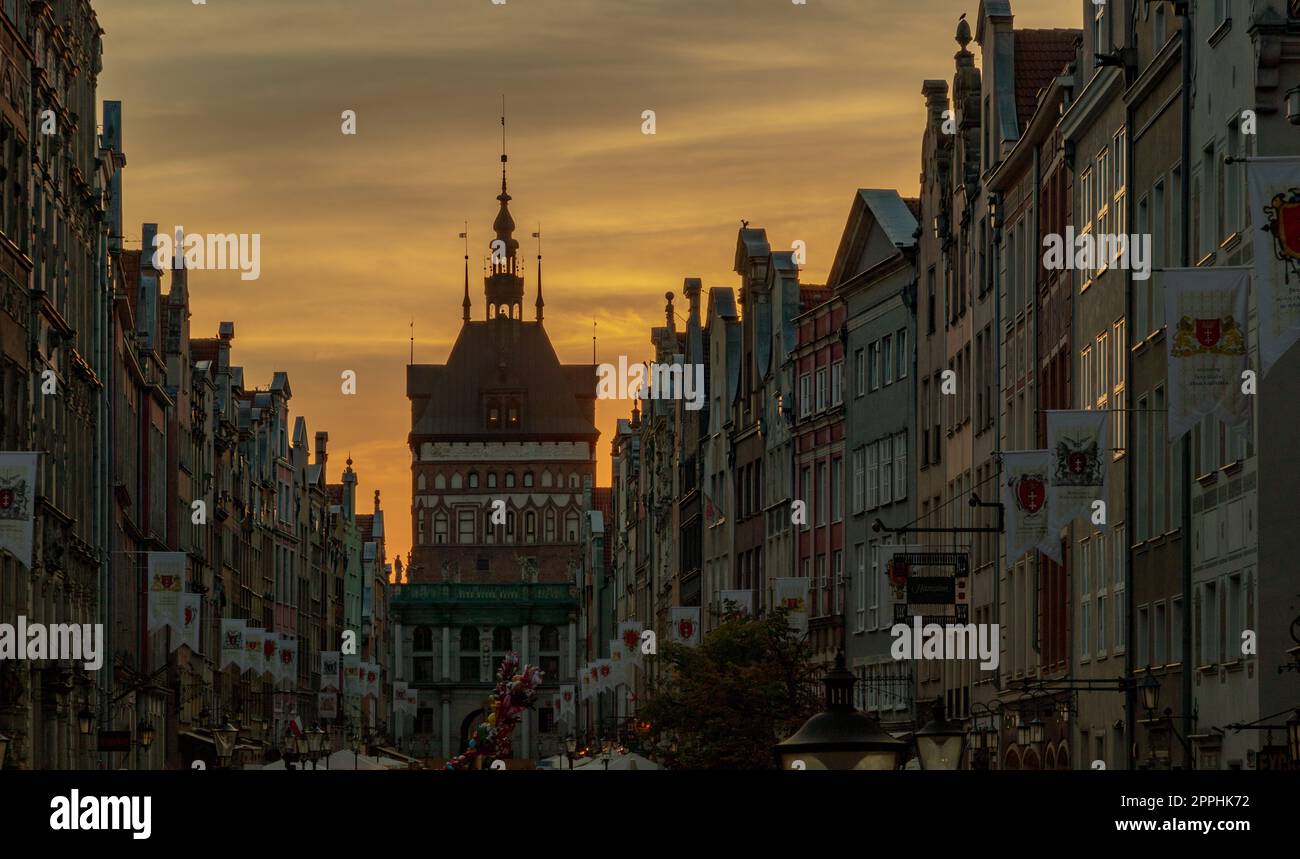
x=839, y=737
x=225, y=738
x=941, y=743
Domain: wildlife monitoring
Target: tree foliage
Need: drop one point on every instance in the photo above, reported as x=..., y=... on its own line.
x=726, y=702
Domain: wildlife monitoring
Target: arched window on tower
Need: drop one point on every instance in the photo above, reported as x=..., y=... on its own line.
x=492, y=480
x=571, y=526
x=530, y=527
x=473, y=480
x=550, y=525
x=440, y=528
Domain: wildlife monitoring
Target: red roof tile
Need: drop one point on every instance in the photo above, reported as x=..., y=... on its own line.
x=1040, y=56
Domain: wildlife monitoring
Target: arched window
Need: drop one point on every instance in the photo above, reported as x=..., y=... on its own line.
x=439, y=481
x=502, y=640
x=571, y=526
x=469, y=639
x=492, y=480
x=510, y=480
x=530, y=527
x=574, y=481
x=550, y=525
x=549, y=639
x=440, y=527
x=456, y=481
x=510, y=525
x=422, y=517
x=423, y=639
x=473, y=480
x=547, y=480
x=528, y=478
x=420, y=483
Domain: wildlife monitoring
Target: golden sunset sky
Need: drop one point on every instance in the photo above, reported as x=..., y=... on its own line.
x=766, y=110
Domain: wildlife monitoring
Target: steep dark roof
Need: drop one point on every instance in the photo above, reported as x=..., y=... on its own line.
x=1040, y=56
x=505, y=356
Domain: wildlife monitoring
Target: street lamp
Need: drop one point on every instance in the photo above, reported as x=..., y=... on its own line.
x=1150, y=694
x=87, y=721
x=1037, y=731
x=146, y=734
x=315, y=743
x=839, y=737
x=225, y=738
x=571, y=748
x=940, y=743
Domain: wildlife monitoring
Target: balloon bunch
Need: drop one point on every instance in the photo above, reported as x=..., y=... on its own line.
x=514, y=693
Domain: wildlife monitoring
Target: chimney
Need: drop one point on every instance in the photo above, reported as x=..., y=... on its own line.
x=322, y=440
x=691, y=289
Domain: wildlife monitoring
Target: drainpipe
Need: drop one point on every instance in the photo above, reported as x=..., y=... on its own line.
x=1186, y=524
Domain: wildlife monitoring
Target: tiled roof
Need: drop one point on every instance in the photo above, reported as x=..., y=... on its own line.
x=1040, y=56
x=500, y=355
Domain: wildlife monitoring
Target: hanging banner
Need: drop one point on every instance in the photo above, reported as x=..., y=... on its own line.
x=1206, y=345
x=792, y=595
x=1078, y=443
x=684, y=625
x=254, y=660
x=1024, y=502
x=1275, y=216
x=329, y=670
x=412, y=700
x=629, y=632
x=271, y=656
x=587, y=679
x=744, y=601
x=399, y=696
x=327, y=705
x=351, y=675
x=190, y=623
x=370, y=688
x=288, y=658
x=232, y=643
x=568, y=705
x=620, y=666
x=18, y=504
x=166, y=572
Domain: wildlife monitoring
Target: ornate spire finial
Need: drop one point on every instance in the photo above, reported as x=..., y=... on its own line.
x=465, y=304
x=540, y=304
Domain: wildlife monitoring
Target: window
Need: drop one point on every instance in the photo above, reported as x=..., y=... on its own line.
x=821, y=493
x=492, y=480
x=805, y=493
x=900, y=466
x=859, y=477
x=837, y=383
x=873, y=595
x=1143, y=655
x=1142, y=493
x=423, y=639
x=837, y=579
x=510, y=480
x=1085, y=598
x=873, y=476
x=550, y=525
x=1119, y=543
x=440, y=527
x=465, y=525
x=874, y=365
x=1176, y=643
x=1161, y=448
x=903, y=359
x=1159, y=634
x=1209, y=624
x=473, y=480
x=860, y=371
x=837, y=489
x=929, y=308
x=502, y=639
x=571, y=526
x=805, y=395
x=886, y=472
x=887, y=358
x=821, y=389
x=859, y=561
x=528, y=478
x=1117, y=419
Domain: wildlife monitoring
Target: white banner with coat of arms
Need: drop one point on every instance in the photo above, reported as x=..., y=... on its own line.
x=1275, y=218
x=1206, y=345
x=685, y=625
x=166, y=585
x=1078, y=443
x=1024, y=500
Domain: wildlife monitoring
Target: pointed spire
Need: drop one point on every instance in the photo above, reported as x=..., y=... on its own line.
x=465, y=304
x=540, y=303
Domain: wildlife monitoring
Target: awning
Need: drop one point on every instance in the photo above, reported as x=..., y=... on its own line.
x=200, y=737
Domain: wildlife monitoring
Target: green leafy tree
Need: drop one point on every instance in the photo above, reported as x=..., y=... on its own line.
x=725, y=703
